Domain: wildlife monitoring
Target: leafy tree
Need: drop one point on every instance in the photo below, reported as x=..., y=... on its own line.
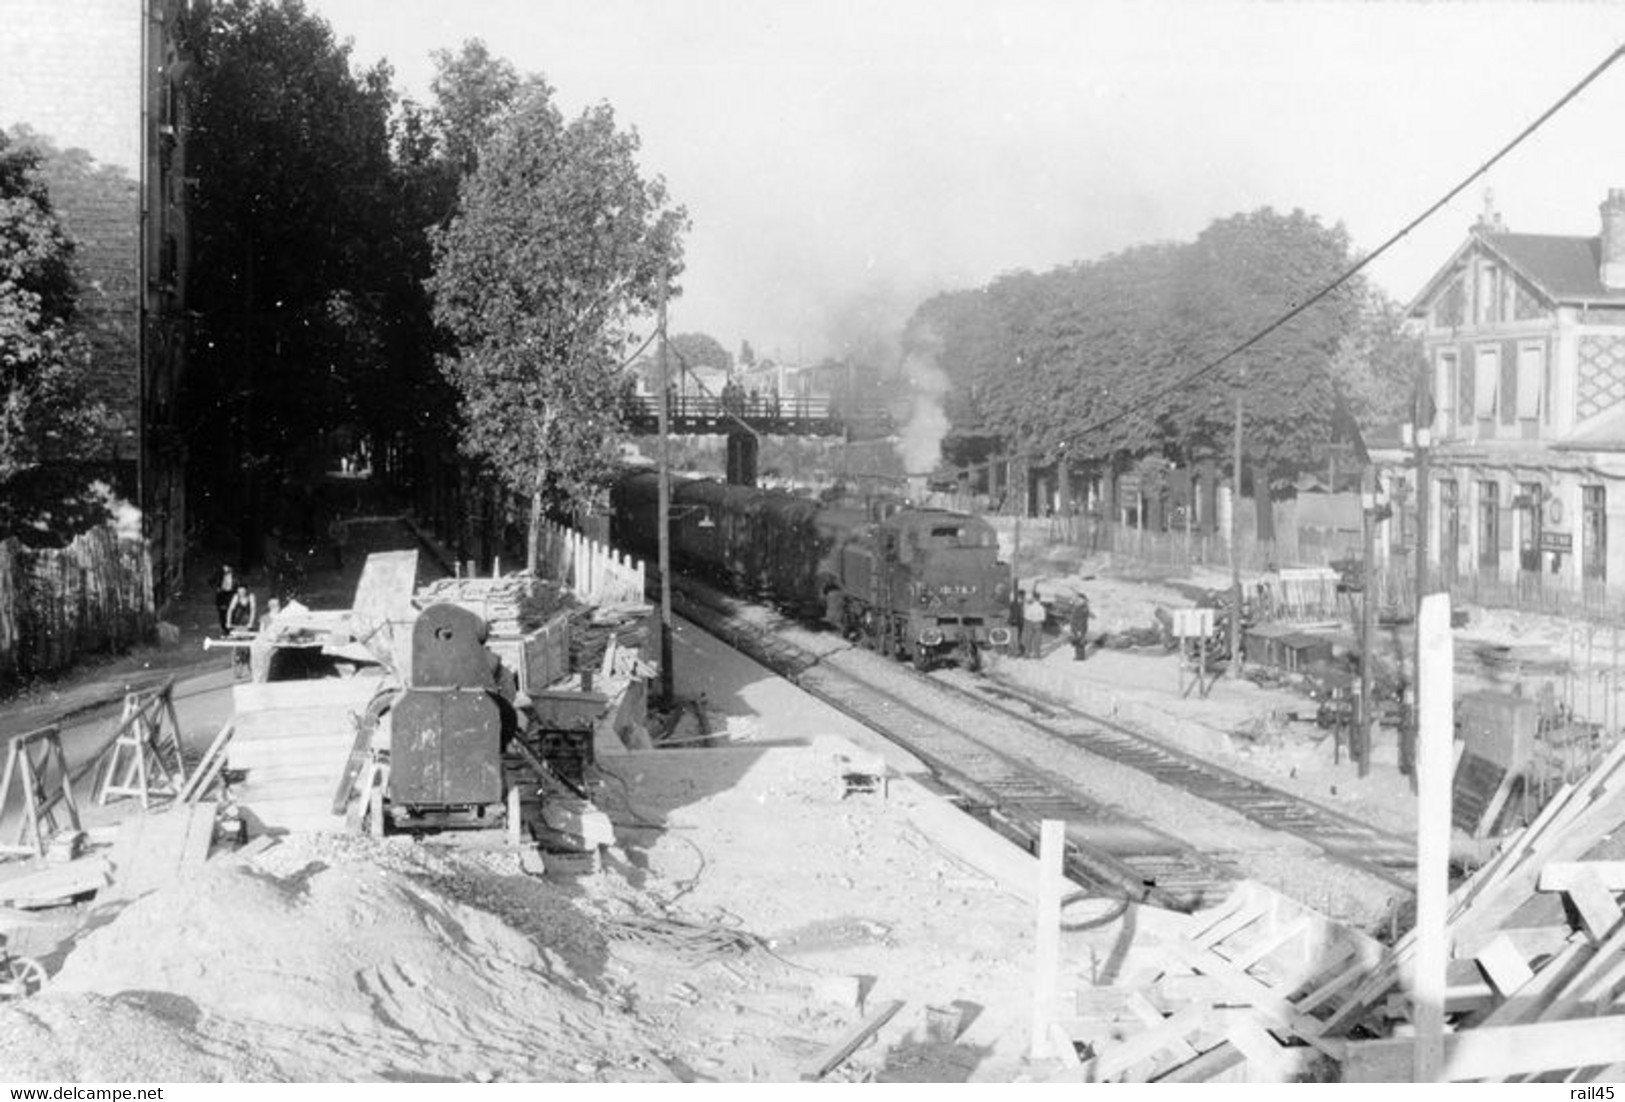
x=557, y=247
x=1377, y=366
x=472, y=89
x=49, y=424
x=700, y=350
x=1241, y=274
x=295, y=239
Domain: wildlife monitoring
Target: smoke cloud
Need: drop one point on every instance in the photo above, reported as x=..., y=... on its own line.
x=919, y=441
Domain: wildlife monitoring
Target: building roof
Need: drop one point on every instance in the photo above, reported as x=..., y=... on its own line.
x=1566, y=268
x=1563, y=269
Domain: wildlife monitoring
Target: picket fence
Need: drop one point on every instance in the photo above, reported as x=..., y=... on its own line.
x=93, y=596
x=595, y=572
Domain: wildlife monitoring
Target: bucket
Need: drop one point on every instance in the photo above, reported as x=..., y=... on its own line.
x=942, y=1024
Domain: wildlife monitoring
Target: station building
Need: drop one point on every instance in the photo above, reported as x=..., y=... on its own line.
x=1524, y=337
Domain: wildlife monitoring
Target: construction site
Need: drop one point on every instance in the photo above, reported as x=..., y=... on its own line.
x=445, y=832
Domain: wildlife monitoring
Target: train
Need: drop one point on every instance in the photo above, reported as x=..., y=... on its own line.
x=920, y=585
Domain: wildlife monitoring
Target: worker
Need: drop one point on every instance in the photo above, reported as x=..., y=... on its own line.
x=224, y=580
x=1016, y=602
x=1032, y=624
x=241, y=618
x=1079, y=627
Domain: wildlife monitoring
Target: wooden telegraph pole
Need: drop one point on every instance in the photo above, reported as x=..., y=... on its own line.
x=1360, y=747
x=1234, y=668
x=663, y=517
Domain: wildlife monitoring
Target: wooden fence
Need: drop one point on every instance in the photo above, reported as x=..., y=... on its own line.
x=93, y=596
x=594, y=571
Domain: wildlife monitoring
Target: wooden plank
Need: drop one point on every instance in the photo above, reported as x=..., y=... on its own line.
x=1266, y=1000
x=1047, y=933
x=1598, y=911
x=969, y=841
x=1215, y=1061
x=56, y=883
x=1435, y=730
x=208, y=766
x=1173, y=1031
x=832, y=1056
x=1556, y=876
x=1149, y=1015
x=1061, y=1046
x=1592, y=978
x=1265, y=946
x=1530, y=1000
x=1263, y=1052
x=1504, y=966
x=1494, y=1052
x=199, y=834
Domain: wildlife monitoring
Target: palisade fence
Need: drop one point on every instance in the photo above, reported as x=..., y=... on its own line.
x=594, y=571
x=93, y=596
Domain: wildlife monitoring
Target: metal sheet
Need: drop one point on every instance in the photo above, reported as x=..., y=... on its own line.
x=445, y=748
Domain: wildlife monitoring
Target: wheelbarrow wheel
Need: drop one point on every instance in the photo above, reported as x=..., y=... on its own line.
x=27, y=975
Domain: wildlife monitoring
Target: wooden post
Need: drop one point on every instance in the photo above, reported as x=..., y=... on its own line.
x=1047, y=946
x=663, y=516
x=1360, y=742
x=1234, y=669
x=1435, y=725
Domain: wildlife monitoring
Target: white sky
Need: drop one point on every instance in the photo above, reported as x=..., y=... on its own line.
x=841, y=160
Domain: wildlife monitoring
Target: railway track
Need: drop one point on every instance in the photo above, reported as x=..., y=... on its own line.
x=1107, y=847
x=1378, y=853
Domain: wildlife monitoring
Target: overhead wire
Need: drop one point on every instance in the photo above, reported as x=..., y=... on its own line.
x=1353, y=270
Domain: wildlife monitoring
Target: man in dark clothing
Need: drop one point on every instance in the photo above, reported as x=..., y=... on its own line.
x=1079, y=627
x=1015, y=621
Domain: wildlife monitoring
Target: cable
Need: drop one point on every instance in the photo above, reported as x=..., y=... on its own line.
x=1350, y=273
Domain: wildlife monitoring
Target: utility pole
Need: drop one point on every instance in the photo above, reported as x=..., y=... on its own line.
x=1424, y=523
x=1233, y=670
x=663, y=517
x=1360, y=748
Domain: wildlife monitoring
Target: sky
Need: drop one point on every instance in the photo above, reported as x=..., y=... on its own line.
x=841, y=161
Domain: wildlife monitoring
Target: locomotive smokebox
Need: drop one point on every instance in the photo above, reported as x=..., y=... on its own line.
x=446, y=727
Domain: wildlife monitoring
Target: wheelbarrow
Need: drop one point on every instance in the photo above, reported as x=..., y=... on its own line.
x=19, y=976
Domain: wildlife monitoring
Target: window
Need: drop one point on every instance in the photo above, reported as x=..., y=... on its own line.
x=1449, y=526
x=1448, y=384
x=1465, y=413
x=1531, y=496
x=1531, y=384
x=1594, y=532
x=1487, y=303
x=1489, y=525
x=1486, y=381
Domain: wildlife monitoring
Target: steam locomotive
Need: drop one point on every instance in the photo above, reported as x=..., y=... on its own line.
x=916, y=584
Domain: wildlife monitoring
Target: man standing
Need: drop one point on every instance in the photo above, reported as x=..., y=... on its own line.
x=1032, y=624
x=1079, y=627
x=1016, y=604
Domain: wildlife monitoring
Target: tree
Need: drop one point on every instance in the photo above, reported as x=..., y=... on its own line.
x=49, y=424
x=557, y=247
x=691, y=350
x=472, y=90
x=294, y=243
x=1242, y=274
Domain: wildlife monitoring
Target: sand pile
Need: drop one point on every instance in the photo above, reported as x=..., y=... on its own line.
x=343, y=958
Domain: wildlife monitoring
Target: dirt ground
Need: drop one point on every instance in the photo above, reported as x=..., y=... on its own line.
x=752, y=911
